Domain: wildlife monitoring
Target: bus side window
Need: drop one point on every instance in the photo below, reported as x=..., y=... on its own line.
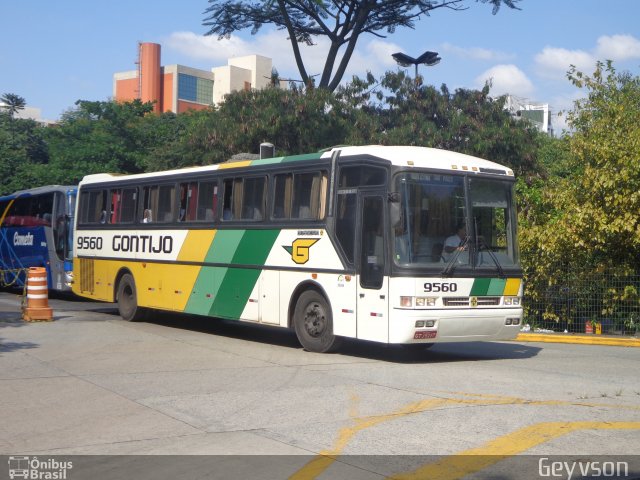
x=123, y=205
x=309, y=194
x=300, y=196
x=232, y=200
x=283, y=185
x=188, y=202
x=207, y=201
x=93, y=206
x=253, y=198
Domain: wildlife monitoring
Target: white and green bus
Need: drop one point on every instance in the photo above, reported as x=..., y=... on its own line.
x=392, y=244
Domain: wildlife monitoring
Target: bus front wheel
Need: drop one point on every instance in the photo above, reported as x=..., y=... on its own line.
x=128, y=300
x=313, y=323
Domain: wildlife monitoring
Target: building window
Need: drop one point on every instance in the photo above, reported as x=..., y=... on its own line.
x=195, y=89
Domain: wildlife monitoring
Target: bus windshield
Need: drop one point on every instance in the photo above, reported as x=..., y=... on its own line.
x=453, y=221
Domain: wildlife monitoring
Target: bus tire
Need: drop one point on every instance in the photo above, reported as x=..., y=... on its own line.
x=128, y=300
x=313, y=323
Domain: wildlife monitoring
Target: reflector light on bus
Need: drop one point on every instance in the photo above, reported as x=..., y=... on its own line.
x=406, y=302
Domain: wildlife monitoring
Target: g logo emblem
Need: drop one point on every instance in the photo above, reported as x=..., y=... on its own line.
x=299, y=249
x=473, y=301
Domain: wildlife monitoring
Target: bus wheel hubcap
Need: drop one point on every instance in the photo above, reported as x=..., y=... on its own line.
x=314, y=320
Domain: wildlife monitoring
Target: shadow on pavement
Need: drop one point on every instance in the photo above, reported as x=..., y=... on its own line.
x=444, y=352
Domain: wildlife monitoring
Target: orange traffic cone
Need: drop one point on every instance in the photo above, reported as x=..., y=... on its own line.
x=37, y=307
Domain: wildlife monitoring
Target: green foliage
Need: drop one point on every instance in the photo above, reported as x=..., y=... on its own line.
x=23, y=153
x=584, y=222
x=397, y=110
x=14, y=103
x=340, y=23
x=127, y=138
x=99, y=137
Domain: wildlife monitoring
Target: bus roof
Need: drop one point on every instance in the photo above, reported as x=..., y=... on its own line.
x=38, y=191
x=424, y=157
x=402, y=156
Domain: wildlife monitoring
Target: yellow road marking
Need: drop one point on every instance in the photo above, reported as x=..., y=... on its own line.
x=326, y=457
x=476, y=459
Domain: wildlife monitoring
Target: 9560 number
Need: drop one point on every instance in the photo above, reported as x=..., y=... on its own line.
x=440, y=287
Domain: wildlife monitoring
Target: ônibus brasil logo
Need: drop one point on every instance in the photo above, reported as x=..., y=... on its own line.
x=299, y=249
x=33, y=468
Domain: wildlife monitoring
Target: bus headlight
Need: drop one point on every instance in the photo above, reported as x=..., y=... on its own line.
x=407, y=302
x=426, y=301
x=515, y=301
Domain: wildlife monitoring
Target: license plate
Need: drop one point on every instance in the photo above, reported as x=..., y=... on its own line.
x=425, y=334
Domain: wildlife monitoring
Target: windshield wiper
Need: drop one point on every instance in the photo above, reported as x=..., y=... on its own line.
x=451, y=264
x=482, y=243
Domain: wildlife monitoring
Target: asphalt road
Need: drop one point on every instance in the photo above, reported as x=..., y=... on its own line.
x=89, y=383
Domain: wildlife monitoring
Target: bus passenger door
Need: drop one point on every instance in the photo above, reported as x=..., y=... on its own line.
x=373, y=285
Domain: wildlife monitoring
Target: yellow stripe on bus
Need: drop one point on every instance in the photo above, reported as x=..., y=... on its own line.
x=242, y=163
x=196, y=245
x=512, y=288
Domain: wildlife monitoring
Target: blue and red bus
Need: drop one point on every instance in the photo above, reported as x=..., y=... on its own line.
x=36, y=230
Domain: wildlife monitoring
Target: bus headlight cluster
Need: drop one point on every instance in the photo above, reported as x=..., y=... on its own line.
x=408, y=302
x=512, y=301
x=426, y=301
x=512, y=321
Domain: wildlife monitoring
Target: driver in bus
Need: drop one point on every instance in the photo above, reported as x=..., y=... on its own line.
x=455, y=241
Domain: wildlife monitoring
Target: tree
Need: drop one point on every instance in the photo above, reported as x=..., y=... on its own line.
x=341, y=22
x=13, y=103
x=397, y=111
x=584, y=226
x=99, y=137
x=23, y=153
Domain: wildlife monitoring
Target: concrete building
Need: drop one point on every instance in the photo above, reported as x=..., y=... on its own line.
x=176, y=88
x=537, y=113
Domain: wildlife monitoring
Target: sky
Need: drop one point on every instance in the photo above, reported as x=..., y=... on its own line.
x=53, y=53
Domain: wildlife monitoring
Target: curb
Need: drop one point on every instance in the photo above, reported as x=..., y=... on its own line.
x=578, y=339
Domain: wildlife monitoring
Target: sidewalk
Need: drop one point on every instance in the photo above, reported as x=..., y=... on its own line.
x=583, y=339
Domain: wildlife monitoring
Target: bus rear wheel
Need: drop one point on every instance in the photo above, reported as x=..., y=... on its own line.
x=313, y=323
x=128, y=300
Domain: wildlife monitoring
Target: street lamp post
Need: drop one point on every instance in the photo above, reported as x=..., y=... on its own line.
x=427, y=58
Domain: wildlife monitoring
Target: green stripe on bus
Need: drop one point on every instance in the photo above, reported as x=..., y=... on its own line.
x=266, y=161
x=254, y=247
x=207, y=285
x=205, y=290
x=234, y=292
x=238, y=283
x=496, y=287
x=480, y=287
x=224, y=246
x=307, y=156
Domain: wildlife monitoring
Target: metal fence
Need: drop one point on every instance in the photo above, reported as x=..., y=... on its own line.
x=585, y=302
